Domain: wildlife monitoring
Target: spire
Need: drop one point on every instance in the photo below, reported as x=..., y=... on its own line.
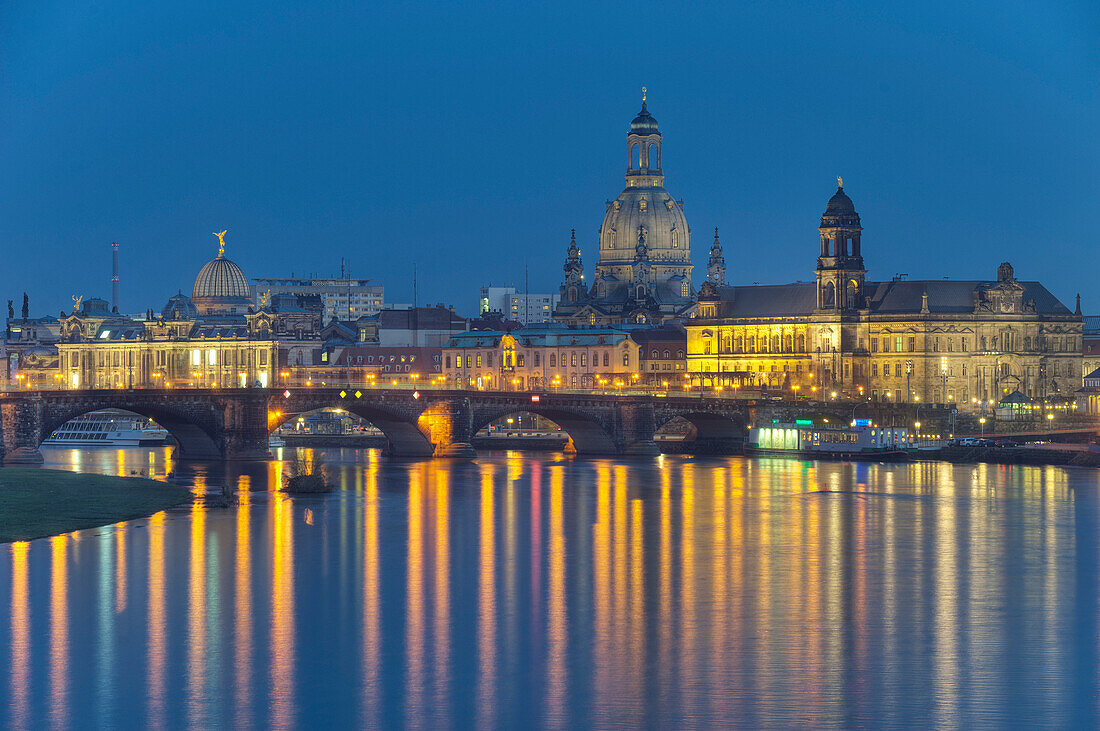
x=716, y=267
x=573, y=267
x=1077, y=311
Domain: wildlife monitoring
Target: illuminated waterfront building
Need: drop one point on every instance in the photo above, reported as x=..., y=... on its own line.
x=643, y=274
x=943, y=341
x=542, y=357
x=212, y=339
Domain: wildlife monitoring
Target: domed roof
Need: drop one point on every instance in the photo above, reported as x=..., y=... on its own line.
x=220, y=279
x=644, y=123
x=840, y=204
x=179, y=307
x=667, y=236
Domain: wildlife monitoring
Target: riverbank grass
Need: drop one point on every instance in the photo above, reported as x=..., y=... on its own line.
x=35, y=503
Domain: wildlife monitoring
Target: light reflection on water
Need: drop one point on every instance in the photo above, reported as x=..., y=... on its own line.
x=568, y=592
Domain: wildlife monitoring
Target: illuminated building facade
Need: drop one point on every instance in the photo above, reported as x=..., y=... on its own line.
x=213, y=339
x=541, y=357
x=643, y=274
x=942, y=341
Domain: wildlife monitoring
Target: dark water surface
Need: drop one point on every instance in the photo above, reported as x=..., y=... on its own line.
x=567, y=592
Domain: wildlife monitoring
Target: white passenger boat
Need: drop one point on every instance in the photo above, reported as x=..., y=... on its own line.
x=108, y=428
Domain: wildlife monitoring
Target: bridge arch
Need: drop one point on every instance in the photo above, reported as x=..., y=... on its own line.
x=196, y=434
x=404, y=436
x=714, y=433
x=585, y=428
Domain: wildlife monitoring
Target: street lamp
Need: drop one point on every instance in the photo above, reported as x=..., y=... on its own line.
x=982, y=422
x=1050, y=422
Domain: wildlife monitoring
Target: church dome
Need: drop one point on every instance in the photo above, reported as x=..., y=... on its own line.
x=840, y=204
x=220, y=279
x=644, y=123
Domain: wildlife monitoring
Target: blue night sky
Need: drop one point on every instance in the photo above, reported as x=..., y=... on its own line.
x=470, y=138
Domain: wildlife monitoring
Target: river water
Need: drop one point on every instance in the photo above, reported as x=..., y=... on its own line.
x=525, y=589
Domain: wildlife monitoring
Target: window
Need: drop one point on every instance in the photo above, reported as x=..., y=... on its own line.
x=874, y=345
x=606, y=359
x=679, y=355
x=458, y=361
x=885, y=369
x=666, y=355
x=478, y=361
x=489, y=360
x=706, y=347
x=553, y=360
x=448, y=361
x=584, y=360
x=522, y=359
x=573, y=360
x=912, y=344
x=537, y=359
x=935, y=345
x=626, y=358
x=196, y=357
x=964, y=345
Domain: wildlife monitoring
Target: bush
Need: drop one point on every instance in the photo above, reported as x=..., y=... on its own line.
x=305, y=475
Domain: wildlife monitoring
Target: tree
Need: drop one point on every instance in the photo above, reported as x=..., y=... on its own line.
x=26, y=307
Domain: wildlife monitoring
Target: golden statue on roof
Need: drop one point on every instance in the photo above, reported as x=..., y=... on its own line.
x=221, y=241
x=839, y=182
x=77, y=299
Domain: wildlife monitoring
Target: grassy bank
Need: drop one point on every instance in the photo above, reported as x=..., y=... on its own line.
x=35, y=502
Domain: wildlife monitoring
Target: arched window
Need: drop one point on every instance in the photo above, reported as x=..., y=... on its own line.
x=775, y=343
x=635, y=156
x=653, y=354
x=828, y=295
x=641, y=291
x=666, y=355
x=801, y=343
x=553, y=360
x=852, y=294
x=787, y=345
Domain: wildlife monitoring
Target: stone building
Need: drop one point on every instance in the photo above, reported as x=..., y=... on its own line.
x=213, y=339
x=944, y=341
x=542, y=357
x=643, y=274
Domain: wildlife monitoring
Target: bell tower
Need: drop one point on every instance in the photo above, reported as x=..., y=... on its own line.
x=840, y=271
x=643, y=149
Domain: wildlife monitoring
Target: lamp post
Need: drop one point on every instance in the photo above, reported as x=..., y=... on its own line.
x=1050, y=422
x=982, y=422
x=908, y=372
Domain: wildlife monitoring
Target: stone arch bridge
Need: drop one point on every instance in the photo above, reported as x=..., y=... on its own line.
x=236, y=423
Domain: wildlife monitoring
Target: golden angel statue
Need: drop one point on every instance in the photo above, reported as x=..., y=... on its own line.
x=221, y=241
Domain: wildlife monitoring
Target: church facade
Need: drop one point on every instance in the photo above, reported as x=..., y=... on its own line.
x=643, y=274
x=940, y=341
